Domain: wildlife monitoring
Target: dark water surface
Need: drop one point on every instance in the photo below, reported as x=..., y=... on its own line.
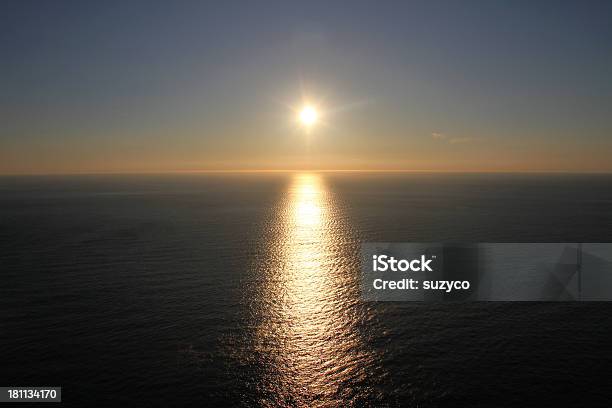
x=242, y=289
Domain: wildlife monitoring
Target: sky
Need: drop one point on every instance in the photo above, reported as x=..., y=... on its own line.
x=95, y=87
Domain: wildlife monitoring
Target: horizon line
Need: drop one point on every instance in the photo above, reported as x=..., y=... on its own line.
x=207, y=171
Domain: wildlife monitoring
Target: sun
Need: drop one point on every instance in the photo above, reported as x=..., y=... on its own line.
x=308, y=116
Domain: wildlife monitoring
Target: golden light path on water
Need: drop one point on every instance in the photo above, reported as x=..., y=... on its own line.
x=307, y=336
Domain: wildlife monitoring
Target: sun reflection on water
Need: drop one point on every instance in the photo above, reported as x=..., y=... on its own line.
x=307, y=310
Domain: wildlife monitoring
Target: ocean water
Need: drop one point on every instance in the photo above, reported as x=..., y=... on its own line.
x=242, y=290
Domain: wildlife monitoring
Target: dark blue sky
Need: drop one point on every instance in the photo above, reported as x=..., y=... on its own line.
x=145, y=86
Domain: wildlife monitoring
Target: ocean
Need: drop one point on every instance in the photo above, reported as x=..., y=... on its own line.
x=242, y=289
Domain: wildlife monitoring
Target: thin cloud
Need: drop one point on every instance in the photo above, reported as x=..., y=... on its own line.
x=452, y=139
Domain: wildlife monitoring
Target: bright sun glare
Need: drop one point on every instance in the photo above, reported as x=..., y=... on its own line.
x=308, y=116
